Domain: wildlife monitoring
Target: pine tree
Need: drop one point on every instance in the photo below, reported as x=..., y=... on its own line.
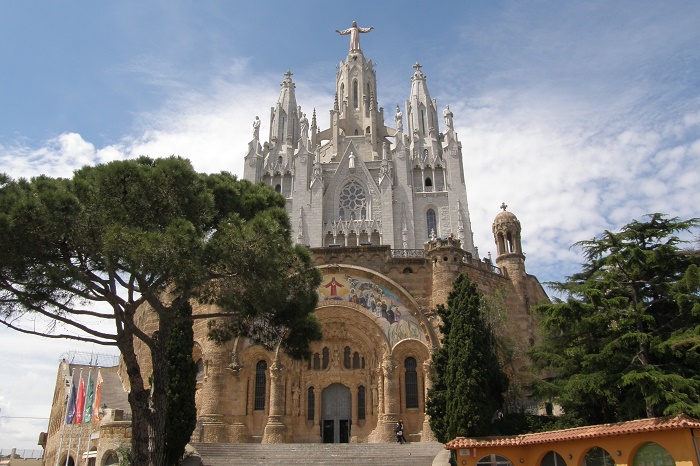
x=468, y=380
x=626, y=342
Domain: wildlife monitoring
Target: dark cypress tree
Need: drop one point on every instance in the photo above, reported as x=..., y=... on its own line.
x=181, y=416
x=468, y=380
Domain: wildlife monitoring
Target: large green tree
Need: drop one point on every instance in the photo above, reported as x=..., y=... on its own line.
x=119, y=236
x=625, y=343
x=468, y=382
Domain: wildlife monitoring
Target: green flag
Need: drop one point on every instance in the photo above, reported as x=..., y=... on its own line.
x=89, y=399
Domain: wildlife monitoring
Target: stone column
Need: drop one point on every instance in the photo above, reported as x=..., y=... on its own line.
x=427, y=435
x=275, y=429
x=210, y=411
x=389, y=416
x=353, y=415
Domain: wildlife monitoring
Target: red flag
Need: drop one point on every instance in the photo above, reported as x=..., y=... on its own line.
x=80, y=401
x=98, y=393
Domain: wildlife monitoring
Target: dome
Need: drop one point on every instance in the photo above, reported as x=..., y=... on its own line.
x=505, y=217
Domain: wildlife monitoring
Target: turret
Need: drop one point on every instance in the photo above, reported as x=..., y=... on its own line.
x=506, y=232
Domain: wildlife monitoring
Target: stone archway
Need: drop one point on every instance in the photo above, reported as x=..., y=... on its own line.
x=336, y=414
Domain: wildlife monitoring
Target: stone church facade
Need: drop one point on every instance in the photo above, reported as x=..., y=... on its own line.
x=385, y=215
x=384, y=212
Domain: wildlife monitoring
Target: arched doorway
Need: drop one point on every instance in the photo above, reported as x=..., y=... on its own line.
x=336, y=414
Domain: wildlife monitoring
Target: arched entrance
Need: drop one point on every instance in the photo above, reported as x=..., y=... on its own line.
x=336, y=414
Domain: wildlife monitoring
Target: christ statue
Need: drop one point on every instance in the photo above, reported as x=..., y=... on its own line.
x=354, y=32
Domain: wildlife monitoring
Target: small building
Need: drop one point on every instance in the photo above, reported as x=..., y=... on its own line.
x=661, y=441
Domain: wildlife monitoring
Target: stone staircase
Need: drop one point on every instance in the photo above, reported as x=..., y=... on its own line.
x=381, y=454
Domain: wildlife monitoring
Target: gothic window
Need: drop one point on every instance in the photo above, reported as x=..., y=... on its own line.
x=361, y=402
x=278, y=188
x=428, y=182
x=653, y=453
x=352, y=204
x=553, y=459
x=260, y=369
x=325, y=358
x=317, y=362
x=310, y=404
x=422, y=120
x=432, y=221
x=346, y=357
x=342, y=97
x=356, y=360
x=411, y=381
x=282, y=129
x=355, y=96
x=597, y=456
x=494, y=460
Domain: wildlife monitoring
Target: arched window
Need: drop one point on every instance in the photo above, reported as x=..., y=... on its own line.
x=432, y=222
x=355, y=95
x=278, y=188
x=422, y=120
x=597, y=456
x=310, y=404
x=200, y=370
x=653, y=453
x=260, y=381
x=352, y=204
x=553, y=459
x=360, y=402
x=346, y=357
x=494, y=460
x=110, y=458
x=325, y=358
x=356, y=360
x=317, y=362
x=411, y=380
x=342, y=97
x=428, y=182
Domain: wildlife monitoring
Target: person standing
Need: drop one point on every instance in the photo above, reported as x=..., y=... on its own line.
x=399, y=433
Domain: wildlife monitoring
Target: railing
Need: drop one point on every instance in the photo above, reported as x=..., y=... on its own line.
x=16, y=453
x=407, y=253
x=429, y=189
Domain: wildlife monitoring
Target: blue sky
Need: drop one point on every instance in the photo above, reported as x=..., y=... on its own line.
x=581, y=116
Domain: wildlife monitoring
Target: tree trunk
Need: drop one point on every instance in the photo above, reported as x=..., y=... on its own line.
x=138, y=400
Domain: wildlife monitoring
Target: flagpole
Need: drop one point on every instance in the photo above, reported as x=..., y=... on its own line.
x=70, y=438
x=82, y=419
x=92, y=414
x=63, y=426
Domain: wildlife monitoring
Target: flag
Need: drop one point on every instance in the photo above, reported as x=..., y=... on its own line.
x=70, y=408
x=98, y=394
x=89, y=399
x=80, y=401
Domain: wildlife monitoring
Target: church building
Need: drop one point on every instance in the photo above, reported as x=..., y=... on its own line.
x=384, y=212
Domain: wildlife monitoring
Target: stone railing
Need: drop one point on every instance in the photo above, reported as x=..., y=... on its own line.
x=407, y=253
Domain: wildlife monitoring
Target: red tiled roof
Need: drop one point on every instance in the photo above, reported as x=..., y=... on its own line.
x=603, y=430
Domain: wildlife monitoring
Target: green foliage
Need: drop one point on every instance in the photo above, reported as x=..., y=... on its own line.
x=625, y=342
x=181, y=413
x=152, y=232
x=468, y=381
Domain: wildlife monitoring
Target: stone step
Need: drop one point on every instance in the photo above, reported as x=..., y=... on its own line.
x=384, y=454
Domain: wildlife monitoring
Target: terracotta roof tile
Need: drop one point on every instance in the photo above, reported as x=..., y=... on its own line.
x=602, y=430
